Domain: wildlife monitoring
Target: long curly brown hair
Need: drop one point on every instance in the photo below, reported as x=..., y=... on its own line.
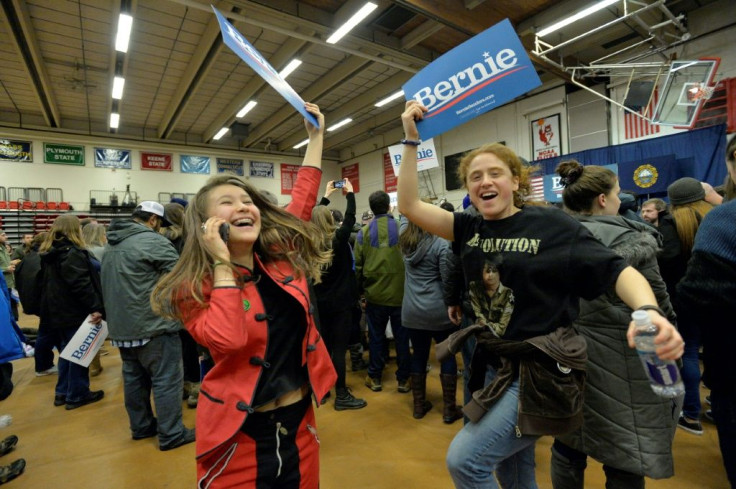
x=283, y=237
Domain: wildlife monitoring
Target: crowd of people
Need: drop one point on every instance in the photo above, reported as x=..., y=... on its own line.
x=247, y=310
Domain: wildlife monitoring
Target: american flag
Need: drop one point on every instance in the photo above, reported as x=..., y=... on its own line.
x=636, y=127
x=537, y=184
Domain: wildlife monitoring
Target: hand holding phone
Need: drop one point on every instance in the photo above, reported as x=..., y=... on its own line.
x=339, y=183
x=224, y=231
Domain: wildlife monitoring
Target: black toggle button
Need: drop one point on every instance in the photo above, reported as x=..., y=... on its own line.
x=287, y=279
x=242, y=406
x=261, y=316
x=311, y=347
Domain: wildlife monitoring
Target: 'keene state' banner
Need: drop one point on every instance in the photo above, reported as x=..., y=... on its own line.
x=483, y=73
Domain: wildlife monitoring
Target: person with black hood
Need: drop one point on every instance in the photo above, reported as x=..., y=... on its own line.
x=71, y=293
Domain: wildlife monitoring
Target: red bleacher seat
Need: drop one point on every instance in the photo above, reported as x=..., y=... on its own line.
x=63, y=206
x=40, y=205
x=27, y=204
x=3, y=204
x=51, y=206
x=13, y=204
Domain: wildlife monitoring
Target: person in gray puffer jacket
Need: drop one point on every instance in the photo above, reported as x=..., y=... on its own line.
x=427, y=264
x=627, y=427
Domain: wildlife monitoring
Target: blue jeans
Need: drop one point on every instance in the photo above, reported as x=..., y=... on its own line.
x=421, y=341
x=377, y=318
x=73, y=381
x=723, y=405
x=155, y=366
x=690, y=370
x=491, y=445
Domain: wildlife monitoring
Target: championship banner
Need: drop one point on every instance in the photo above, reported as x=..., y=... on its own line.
x=261, y=169
x=245, y=51
x=12, y=150
x=546, y=137
x=195, y=164
x=389, y=177
x=63, y=154
x=426, y=156
x=156, y=161
x=353, y=173
x=649, y=175
x=288, y=177
x=483, y=73
x=231, y=165
x=112, y=158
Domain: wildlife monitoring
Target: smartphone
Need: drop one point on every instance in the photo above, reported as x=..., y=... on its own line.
x=339, y=183
x=224, y=231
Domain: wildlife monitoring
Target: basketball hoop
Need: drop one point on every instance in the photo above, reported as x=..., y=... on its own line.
x=700, y=92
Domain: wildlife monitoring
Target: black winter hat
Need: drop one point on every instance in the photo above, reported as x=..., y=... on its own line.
x=685, y=190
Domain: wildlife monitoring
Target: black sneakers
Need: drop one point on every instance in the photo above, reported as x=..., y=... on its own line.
x=92, y=396
x=8, y=444
x=186, y=437
x=693, y=427
x=10, y=472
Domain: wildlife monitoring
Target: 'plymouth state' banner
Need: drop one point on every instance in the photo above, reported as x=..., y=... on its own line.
x=63, y=154
x=483, y=73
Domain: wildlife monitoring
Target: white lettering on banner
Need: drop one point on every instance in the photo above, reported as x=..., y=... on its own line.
x=247, y=48
x=445, y=91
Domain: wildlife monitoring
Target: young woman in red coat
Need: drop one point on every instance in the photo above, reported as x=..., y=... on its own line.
x=246, y=298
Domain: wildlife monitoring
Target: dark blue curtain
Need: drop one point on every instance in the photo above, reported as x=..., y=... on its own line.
x=704, y=150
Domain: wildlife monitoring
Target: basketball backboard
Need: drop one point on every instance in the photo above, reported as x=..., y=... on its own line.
x=688, y=85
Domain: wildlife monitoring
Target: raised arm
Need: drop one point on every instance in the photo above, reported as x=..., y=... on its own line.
x=313, y=155
x=431, y=218
x=306, y=187
x=634, y=290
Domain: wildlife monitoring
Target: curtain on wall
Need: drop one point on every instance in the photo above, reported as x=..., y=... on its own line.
x=703, y=150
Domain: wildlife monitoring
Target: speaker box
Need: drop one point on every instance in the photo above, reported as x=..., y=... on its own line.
x=639, y=93
x=238, y=129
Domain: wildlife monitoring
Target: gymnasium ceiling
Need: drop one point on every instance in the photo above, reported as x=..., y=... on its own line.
x=183, y=84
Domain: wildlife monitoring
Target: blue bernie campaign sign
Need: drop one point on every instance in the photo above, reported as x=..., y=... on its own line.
x=553, y=187
x=483, y=73
x=245, y=51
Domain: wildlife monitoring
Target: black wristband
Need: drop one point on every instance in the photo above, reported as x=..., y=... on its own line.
x=652, y=308
x=411, y=142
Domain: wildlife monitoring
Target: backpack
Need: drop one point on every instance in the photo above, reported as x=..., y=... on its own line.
x=29, y=280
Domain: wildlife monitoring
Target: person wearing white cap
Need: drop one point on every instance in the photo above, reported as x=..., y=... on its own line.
x=135, y=258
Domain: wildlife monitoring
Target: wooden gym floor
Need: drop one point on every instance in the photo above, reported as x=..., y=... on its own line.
x=378, y=447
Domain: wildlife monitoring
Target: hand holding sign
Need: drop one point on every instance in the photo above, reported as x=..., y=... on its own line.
x=313, y=131
x=413, y=112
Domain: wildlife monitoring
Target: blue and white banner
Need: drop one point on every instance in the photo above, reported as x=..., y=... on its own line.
x=85, y=343
x=12, y=150
x=245, y=51
x=195, y=164
x=230, y=165
x=426, y=156
x=112, y=158
x=261, y=169
x=553, y=188
x=483, y=73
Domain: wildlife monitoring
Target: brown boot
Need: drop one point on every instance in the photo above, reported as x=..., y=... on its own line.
x=419, y=390
x=451, y=412
x=95, y=367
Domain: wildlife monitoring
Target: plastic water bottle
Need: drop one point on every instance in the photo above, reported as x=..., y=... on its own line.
x=5, y=420
x=664, y=376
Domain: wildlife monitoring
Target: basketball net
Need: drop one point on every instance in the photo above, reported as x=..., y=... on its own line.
x=701, y=92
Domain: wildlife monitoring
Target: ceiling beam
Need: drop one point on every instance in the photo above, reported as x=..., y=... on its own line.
x=336, y=76
x=200, y=63
x=24, y=40
x=391, y=116
x=425, y=30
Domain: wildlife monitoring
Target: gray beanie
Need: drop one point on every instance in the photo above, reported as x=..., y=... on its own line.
x=685, y=190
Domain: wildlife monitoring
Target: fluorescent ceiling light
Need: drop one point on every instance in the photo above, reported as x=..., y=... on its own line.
x=221, y=133
x=117, y=87
x=246, y=108
x=352, y=22
x=125, y=23
x=339, y=124
x=390, y=98
x=293, y=64
x=574, y=18
x=114, y=120
x=303, y=143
